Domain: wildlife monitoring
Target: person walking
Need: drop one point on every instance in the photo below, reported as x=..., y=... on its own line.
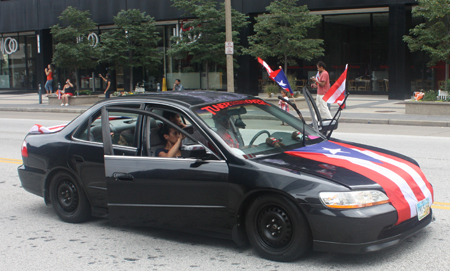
x=322, y=82
x=177, y=86
x=108, y=88
x=49, y=83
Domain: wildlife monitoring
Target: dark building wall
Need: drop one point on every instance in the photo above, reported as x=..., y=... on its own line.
x=27, y=15
x=399, y=54
x=40, y=15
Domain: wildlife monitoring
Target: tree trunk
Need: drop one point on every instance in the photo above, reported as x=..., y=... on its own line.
x=130, y=58
x=446, y=76
x=207, y=76
x=77, y=81
x=285, y=64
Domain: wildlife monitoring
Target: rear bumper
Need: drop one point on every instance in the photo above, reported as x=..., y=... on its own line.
x=396, y=234
x=32, y=180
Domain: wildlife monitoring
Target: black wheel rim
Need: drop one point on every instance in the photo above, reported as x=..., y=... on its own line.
x=274, y=228
x=67, y=195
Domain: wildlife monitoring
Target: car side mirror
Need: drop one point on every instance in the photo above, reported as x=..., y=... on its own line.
x=193, y=151
x=239, y=123
x=328, y=125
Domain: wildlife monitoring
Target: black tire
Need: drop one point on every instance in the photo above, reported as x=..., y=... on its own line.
x=68, y=199
x=277, y=229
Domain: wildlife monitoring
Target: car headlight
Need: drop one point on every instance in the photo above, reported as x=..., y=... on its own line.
x=354, y=199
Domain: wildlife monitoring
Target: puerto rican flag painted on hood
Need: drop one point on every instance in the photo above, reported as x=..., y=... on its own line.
x=403, y=181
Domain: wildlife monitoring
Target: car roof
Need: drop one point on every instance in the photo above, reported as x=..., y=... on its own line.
x=189, y=98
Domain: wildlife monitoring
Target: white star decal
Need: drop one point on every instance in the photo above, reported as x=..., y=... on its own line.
x=334, y=151
x=281, y=83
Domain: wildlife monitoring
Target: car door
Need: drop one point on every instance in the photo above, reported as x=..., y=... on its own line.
x=85, y=154
x=177, y=192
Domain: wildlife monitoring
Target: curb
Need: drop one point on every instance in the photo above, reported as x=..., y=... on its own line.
x=342, y=119
x=48, y=110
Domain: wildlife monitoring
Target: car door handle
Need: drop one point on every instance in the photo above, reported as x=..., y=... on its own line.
x=119, y=176
x=78, y=158
x=198, y=163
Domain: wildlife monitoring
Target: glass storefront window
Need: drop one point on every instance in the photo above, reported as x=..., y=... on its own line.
x=359, y=40
x=191, y=75
x=17, y=63
x=4, y=71
x=18, y=67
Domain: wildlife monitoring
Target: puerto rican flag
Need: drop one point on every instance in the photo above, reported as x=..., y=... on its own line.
x=39, y=129
x=336, y=94
x=277, y=76
x=404, y=182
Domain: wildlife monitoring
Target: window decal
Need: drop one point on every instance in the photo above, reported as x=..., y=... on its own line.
x=217, y=107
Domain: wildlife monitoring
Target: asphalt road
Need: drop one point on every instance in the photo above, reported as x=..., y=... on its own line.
x=33, y=238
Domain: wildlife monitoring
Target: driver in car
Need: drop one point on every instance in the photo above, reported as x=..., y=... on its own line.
x=222, y=123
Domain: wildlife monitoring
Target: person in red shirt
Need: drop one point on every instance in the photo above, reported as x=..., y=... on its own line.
x=322, y=82
x=49, y=83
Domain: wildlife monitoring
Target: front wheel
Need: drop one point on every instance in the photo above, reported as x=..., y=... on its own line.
x=277, y=229
x=68, y=200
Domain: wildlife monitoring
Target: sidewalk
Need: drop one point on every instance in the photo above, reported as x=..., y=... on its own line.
x=360, y=109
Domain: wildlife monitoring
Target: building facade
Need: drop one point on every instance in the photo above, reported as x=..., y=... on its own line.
x=366, y=35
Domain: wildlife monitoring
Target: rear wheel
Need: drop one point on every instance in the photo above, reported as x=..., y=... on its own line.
x=68, y=200
x=277, y=229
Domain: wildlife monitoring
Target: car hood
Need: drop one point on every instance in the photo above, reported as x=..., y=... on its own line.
x=325, y=160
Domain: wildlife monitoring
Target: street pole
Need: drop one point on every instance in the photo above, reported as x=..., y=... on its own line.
x=40, y=93
x=229, y=46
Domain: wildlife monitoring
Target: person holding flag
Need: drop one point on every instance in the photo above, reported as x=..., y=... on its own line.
x=322, y=82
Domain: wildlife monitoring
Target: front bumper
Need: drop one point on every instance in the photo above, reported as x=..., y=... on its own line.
x=361, y=230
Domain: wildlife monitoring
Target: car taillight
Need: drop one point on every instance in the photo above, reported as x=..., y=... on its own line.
x=24, y=149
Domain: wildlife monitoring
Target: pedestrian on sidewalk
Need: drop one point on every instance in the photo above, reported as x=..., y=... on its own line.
x=67, y=92
x=283, y=105
x=322, y=83
x=177, y=86
x=49, y=84
x=108, y=88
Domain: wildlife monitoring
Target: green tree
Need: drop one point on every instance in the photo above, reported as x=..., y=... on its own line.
x=282, y=33
x=73, y=48
x=132, y=43
x=204, y=38
x=432, y=36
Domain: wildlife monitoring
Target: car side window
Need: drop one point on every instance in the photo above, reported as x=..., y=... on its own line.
x=157, y=142
x=90, y=130
x=122, y=127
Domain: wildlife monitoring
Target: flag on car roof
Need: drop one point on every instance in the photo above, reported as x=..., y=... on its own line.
x=403, y=181
x=336, y=94
x=277, y=76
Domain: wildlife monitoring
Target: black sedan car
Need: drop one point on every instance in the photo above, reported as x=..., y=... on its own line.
x=228, y=165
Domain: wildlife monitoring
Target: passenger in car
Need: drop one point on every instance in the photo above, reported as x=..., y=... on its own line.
x=175, y=118
x=173, y=140
x=126, y=138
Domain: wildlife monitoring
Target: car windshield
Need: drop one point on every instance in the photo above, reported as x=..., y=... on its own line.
x=254, y=127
